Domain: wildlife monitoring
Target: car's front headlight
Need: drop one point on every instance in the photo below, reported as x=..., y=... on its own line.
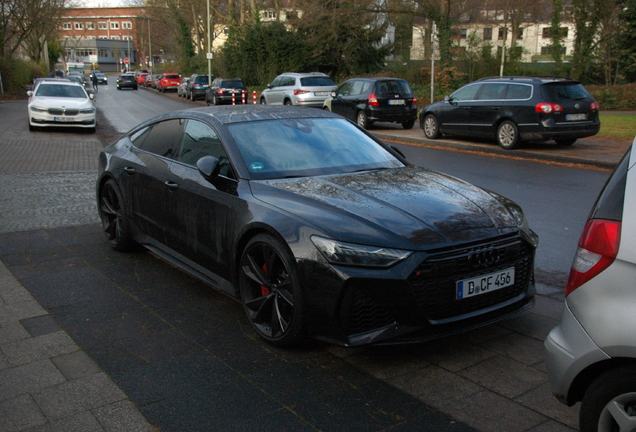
x=358, y=255
x=37, y=109
x=87, y=110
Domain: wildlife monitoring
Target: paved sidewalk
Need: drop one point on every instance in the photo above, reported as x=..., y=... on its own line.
x=496, y=382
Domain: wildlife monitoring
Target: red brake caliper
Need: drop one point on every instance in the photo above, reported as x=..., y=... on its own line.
x=264, y=290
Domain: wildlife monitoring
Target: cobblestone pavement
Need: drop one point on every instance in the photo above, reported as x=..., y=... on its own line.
x=495, y=382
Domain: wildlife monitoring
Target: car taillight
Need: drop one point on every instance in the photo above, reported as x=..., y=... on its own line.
x=373, y=100
x=548, y=108
x=594, y=106
x=219, y=91
x=598, y=247
x=414, y=103
x=299, y=92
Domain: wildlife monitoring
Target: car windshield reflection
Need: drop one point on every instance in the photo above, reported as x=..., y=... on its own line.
x=303, y=147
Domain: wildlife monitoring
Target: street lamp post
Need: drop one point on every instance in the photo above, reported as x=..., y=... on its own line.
x=209, y=53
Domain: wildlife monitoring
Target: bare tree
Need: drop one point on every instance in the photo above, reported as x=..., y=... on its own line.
x=23, y=19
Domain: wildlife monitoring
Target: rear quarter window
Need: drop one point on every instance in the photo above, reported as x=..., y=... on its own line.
x=519, y=92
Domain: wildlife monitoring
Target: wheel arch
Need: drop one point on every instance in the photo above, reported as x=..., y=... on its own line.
x=249, y=234
x=588, y=375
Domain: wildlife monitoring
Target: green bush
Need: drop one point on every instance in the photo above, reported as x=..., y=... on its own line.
x=616, y=97
x=16, y=74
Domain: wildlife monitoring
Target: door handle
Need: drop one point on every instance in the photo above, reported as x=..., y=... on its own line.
x=130, y=170
x=171, y=185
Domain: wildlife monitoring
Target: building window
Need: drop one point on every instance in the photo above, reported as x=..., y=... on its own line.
x=547, y=50
x=114, y=25
x=128, y=38
x=126, y=25
x=488, y=33
x=269, y=15
x=102, y=25
x=66, y=26
x=502, y=33
x=103, y=52
x=520, y=34
x=79, y=26
x=547, y=32
x=226, y=31
x=115, y=37
x=90, y=26
x=463, y=33
x=102, y=37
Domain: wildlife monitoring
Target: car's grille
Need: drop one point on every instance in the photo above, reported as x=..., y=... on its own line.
x=62, y=111
x=433, y=282
x=365, y=314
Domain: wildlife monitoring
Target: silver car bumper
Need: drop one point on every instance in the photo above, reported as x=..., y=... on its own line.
x=569, y=350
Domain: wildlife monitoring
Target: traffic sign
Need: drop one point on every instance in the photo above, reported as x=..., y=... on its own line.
x=126, y=61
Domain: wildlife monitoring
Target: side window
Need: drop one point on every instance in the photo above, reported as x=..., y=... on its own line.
x=138, y=137
x=356, y=89
x=200, y=140
x=519, y=92
x=494, y=91
x=277, y=81
x=163, y=138
x=344, y=89
x=289, y=81
x=466, y=93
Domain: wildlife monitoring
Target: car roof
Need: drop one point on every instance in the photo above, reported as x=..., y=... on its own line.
x=63, y=81
x=231, y=114
x=304, y=74
x=539, y=79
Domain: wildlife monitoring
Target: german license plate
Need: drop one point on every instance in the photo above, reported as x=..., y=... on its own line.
x=321, y=93
x=575, y=117
x=396, y=101
x=62, y=119
x=485, y=283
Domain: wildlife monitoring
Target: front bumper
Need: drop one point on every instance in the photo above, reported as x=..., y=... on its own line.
x=45, y=119
x=416, y=300
x=568, y=351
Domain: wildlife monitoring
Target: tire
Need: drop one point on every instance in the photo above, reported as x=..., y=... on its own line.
x=207, y=101
x=31, y=127
x=362, y=119
x=118, y=88
x=288, y=103
x=263, y=101
x=612, y=395
x=565, y=141
x=508, y=135
x=114, y=222
x=215, y=102
x=270, y=291
x=430, y=126
x=408, y=124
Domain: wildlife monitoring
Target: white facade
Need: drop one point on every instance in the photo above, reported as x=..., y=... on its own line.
x=534, y=39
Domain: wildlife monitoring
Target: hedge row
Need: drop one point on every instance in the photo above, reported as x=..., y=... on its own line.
x=616, y=97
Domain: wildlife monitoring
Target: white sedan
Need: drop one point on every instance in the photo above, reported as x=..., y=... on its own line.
x=60, y=103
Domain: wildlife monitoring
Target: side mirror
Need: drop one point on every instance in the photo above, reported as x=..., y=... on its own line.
x=269, y=86
x=447, y=98
x=29, y=93
x=208, y=167
x=91, y=96
x=332, y=94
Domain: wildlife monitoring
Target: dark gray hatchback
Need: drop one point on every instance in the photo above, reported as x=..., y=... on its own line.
x=515, y=109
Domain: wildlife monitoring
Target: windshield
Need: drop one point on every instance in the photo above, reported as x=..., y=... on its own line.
x=316, y=82
x=303, y=147
x=59, y=90
x=232, y=84
x=555, y=92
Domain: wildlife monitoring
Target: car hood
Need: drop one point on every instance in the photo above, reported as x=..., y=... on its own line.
x=61, y=102
x=407, y=207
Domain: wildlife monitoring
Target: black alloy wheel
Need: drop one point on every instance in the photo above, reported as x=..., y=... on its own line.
x=270, y=291
x=114, y=221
